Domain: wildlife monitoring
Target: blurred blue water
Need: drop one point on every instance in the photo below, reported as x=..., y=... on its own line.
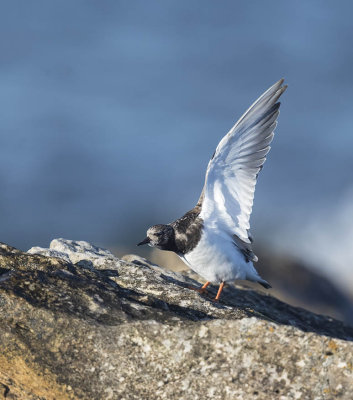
x=110, y=111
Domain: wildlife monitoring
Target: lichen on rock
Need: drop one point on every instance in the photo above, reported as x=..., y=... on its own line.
x=82, y=324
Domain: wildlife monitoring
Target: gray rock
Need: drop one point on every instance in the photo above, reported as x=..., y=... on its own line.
x=73, y=251
x=49, y=253
x=98, y=327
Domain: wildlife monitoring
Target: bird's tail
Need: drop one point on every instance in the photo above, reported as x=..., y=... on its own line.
x=253, y=275
x=265, y=284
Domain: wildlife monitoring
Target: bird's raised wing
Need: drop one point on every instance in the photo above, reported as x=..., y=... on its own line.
x=227, y=197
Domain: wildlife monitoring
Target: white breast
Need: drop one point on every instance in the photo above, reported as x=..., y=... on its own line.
x=217, y=259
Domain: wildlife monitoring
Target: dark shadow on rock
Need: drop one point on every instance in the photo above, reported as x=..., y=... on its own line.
x=78, y=293
x=304, y=286
x=93, y=294
x=6, y=390
x=266, y=307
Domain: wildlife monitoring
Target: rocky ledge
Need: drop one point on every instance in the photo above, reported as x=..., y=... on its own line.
x=78, y=323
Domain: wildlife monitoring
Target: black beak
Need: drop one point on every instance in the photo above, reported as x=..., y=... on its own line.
x=145, y=241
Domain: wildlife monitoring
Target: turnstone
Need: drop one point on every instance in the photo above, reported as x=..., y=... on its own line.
x=213, y=238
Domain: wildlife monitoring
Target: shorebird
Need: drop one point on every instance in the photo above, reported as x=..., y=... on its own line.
x=213, y=238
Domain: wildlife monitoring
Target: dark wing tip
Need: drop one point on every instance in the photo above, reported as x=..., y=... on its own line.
x=283, y=88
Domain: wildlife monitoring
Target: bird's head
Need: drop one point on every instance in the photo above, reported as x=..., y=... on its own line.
x=158, y=236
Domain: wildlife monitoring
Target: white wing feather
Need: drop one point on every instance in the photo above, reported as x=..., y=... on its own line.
x=228, y=195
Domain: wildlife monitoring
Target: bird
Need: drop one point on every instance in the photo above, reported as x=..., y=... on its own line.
x=213, y=238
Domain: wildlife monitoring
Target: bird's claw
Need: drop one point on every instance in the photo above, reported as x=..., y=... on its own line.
x=199, y=290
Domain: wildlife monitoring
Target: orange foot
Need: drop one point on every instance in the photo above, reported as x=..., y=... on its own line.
x=216, y=299
x=202, y=289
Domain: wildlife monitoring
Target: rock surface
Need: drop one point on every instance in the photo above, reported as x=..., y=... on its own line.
x=78, y=323
x=292, y=282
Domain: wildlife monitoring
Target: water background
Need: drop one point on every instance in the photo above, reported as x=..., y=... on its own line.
x=110, y=111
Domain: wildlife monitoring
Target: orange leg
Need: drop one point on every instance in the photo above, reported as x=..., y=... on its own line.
x=219, y=291
x=202, y=289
